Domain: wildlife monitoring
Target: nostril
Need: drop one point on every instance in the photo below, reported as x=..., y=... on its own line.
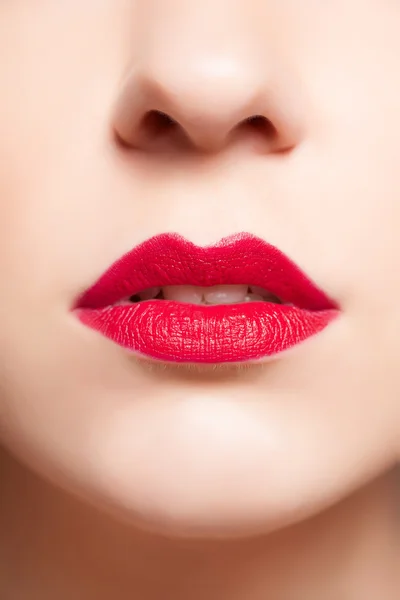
x=259, y=124
x=156, y=123
x=153, y=128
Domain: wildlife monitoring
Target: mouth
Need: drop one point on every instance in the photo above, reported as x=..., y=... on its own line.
x=237, y=301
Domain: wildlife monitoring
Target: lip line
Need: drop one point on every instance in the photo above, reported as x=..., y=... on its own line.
x=241, y=258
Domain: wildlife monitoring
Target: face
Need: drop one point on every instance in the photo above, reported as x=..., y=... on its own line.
x=124, y=120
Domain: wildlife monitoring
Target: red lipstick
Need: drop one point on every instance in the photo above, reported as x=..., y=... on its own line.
x=181, y=332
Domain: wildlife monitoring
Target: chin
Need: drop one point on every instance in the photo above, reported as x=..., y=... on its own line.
x=198, y=506
x=207, y=474
x=198, y=461
x=195, y=508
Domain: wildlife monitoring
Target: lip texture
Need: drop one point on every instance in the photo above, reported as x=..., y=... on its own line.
x=178, y=332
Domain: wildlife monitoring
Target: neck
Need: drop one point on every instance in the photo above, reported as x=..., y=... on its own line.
x=52, y=546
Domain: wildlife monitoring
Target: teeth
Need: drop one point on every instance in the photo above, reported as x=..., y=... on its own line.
x=266, y=296
x=254, y=298
x=225, y=294
x=217, y=294
x=258, y=290
x=183, y=293
x=149, y=294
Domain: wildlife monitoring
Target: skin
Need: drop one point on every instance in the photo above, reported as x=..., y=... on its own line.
x=229, y=477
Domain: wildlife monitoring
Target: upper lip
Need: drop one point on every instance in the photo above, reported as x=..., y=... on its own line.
x=169, y=259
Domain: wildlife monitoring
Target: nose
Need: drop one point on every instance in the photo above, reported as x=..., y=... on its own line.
x=189, y=96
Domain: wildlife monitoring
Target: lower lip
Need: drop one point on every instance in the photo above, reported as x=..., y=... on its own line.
x=177, y=332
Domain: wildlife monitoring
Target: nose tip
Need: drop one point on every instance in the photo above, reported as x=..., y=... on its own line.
x=206, y=106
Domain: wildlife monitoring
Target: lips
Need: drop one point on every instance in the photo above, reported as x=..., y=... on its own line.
x=183, y=332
